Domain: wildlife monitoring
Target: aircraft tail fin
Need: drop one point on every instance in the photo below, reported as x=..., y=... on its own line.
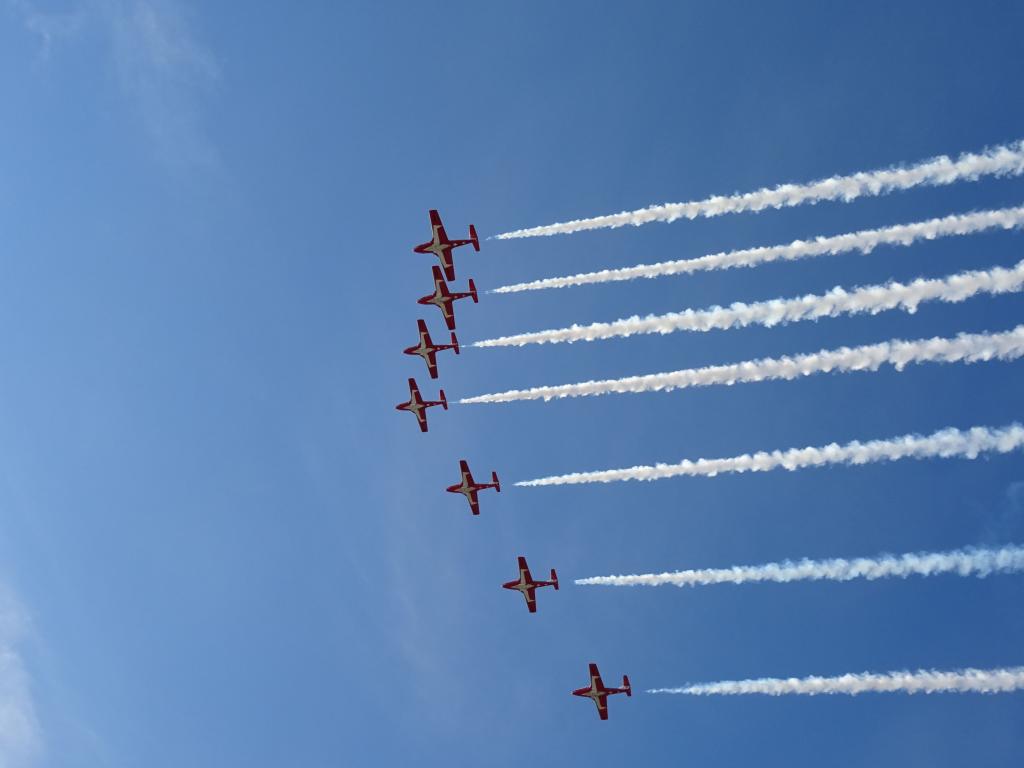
x=554, y=578
x=473, y=238
x=455, y=344
x=472, y=291
x=626, y=685
x=496, y=481
x=444, y=400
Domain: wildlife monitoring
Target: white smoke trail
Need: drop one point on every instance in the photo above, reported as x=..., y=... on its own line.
x=999, y=161
x=966, y=348
x=921, y=681
x=864, y=241
x=963, y=562
x=946, y=443
x=871, y=299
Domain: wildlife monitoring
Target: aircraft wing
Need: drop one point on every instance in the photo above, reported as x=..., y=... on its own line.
x=415, y=397
x=437, y=226
x=424, y=334
x=449, y=315
x=595, y=678
x=474, y=502
x=426, y=343
x=531, y=599
x=447, y=264
x=467, y=476
x=440, y=286
x=524, y=570
x=602, y=707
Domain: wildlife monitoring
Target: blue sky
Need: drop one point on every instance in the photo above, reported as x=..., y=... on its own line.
x=220, y=545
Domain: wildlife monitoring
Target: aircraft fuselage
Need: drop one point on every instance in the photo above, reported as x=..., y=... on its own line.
x=423, y=350
x=437, y=247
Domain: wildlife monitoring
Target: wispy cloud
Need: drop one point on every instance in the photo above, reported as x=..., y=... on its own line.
x=863, y=241
x=163, y=69
x=922, y=681
x=47, y=26
x=963, y=562
x=869, y=299
x=998, y=161
x=946, y=443
x=20, y=732
x=166, y=72
x=965, y=348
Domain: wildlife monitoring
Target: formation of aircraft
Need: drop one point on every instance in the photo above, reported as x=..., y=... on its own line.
x=418, y=406
x=442, y=247
x=470, y=488
x=598, y=693
x=527, y=587
x=445, y=300
x=428, y=350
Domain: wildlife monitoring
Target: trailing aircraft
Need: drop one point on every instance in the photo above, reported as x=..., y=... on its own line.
x=526, y=585
x=442, y=247
x=597, y=692
x=418, y=406
x=428, y=350
x=445, y=300
x=470, y=488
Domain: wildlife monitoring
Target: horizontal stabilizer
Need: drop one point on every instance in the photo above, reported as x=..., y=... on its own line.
x=444, y=401
x=455, y=344
x=626, y=685
x=472, y=291
x=472, y=236
x=554, y=578
x=496, y=481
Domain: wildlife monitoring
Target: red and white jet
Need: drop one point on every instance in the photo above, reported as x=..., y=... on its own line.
x=469, y=488
x=598, y=694
x=444, y=299
x=428, y=350
x=527, y=586
x=418, y=406
x=441, y=246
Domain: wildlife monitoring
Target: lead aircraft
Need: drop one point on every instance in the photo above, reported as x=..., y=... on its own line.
x=469, y=488
x=428, y=350
x=444, y=299
x=526, y=586
x=598, y=694
x=418, y=406
x=442, y=247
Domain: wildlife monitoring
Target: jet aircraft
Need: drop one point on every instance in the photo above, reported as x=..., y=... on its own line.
x=445, y=300
x=418, y=406
x=598, y=694
x=442, y=247
x=428, y=350
x=527, y=586
x=469, y=488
